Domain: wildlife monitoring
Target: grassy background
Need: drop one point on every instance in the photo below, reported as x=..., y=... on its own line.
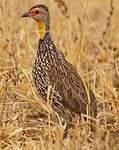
x=87, y=32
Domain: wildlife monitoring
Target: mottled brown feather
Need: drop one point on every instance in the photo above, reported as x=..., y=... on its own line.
x=52, y=69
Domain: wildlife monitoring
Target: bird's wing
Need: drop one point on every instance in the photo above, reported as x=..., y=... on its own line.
x=68, y=85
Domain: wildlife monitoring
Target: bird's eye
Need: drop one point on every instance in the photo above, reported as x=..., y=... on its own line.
x=37, y=12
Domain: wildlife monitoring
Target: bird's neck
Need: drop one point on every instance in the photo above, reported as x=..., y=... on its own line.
x=45, y=45
x=42, y=29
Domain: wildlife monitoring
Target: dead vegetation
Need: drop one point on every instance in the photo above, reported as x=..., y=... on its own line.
x=87, y=32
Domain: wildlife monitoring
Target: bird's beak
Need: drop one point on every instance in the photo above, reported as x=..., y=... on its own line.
x=26, y=14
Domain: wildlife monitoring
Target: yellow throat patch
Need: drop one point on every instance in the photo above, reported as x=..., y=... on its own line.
x=42, y=29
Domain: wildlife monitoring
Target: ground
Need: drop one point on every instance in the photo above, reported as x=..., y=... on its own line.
x=87, y=32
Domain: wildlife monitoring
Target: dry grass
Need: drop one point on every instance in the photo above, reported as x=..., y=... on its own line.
x=87, y=32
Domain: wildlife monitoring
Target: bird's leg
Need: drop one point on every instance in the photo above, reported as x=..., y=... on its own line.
x=66, y=131
x=69, y=124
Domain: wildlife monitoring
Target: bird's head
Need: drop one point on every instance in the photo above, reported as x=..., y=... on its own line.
x=40, y=14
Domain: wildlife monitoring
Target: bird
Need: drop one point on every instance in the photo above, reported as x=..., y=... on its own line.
x=51, y=69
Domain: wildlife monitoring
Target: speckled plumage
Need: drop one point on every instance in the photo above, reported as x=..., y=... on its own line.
x=52, y=69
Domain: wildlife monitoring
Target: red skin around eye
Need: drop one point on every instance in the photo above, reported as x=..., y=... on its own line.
x=33, y=13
